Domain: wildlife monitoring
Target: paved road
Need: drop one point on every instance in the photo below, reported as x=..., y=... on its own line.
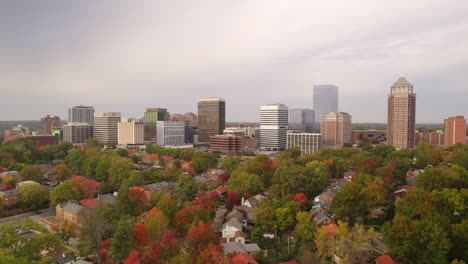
x=19, y=218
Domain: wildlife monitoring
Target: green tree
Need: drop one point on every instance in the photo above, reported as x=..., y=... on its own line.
x=256, y=236
x=120, y=167
x=102, y=168
x=438, y=178
x=92, y=143
x=135, y=178
x=290, y=179
x=230, y=163
x=31, y=173
x=121, y=242
x=62, y=172
x=245, y=183
x=168, y=206
x=316, y=178
x=32, y=195
x=66, y=191
x=305, y=230
x=284, y=218
x=264, y=215
x=75, y=160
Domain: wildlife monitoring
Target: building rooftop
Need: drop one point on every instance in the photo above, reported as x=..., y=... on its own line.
x=402, y=81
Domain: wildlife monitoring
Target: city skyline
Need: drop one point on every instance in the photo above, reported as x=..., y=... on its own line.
x=165, y=54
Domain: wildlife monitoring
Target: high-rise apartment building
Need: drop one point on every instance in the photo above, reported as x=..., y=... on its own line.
x=211, y=118
x=325, y=100
x=49, y=123
x=81, y=114
x=130, y=131
x=273, y=127
x=106, y=126
x=301, y=119
x=401, y=115
x=77, y=133
x=170, y=133
x=455, y=130
x=336, y=129
x=227, y=144
x=309, y=143
x=151, y=116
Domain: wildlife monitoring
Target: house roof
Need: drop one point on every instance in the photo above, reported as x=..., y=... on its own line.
x=332, y=229
x=242, y=258
x=253, y=201
x=221, y=189
x=290, y=262
x=90, y=203
x=220, y=212
x=200, y=179
x=251, y=248
x=106, y=198
x=185, y=164
x=73, y=208
x=233, y=222
x=386, y=259
x=233, y=247
x=156, y=157
x=402, y=81
x=321, y=217
x=65, y=258
x=154, y=187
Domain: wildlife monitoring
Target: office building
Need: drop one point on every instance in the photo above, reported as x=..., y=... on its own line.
x=77, y=133
x=401, y=115
x=336, y=129
x=434, y=138
x=105, y=128
x=309, y=143
x=372, y=136
x=130, y=132
x=325, y=100
x=238, y=131
x=170, y=133
x=455, y=130
x=81, y=114
x=151, y=116
x=191, y=118
x=211, y=118
x=273, y=127
x=227, y=144
x=301, y=119
x=49, y=123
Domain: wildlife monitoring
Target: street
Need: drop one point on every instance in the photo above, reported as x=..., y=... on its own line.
x=19, y=218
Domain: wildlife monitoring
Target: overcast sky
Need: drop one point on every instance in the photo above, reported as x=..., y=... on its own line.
x=129, y=55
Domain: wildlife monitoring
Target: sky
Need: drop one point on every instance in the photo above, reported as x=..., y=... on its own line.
x=126, y=56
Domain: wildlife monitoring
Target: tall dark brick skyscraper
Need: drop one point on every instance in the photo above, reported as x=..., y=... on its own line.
x=401, y=115
x=211, y=118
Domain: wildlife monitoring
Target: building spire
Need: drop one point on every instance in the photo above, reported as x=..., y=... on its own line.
x=402, y=81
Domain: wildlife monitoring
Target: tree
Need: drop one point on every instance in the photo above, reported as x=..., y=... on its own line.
x=119, y=169
x=75, y=160
x=9, y=180
x=199, y=236
x=92, y=143
x=62, y=172
x=121, y=242
x=230, y=164
x=264, y=215
x=141, y=237
x=87, y=188
x=256, y=236
x=156, y=222
x=32, y=195
x=290, y=179
x=102, y=168
x=301, y=200
x=31, y=173
x=224, y=177
x=122, y=153
x=65, y=230
x=64, y=192
x=316, y=178
x=232, y=199
x=212, y=254
x=305, y=230
x=437, y=178
x=168, y=206
x=245, y=183
x=186, y=189
x=135, y=178
x=284, y=218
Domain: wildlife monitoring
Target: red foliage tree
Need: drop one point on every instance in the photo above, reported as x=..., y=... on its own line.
x=1, y=169
x=86, y=187
x=224, y=177
x=213, y=254
x=368, y=166
x=141, y=237
x=232, y=199
x=104, y=249
x=183, y=218
x=301, y=200
x=133, y=258
x=199, y=236
x=205, y=200
x=7, y=187
x=137, y=195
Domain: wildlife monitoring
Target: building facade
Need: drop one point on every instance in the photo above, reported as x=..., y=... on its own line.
x=49, y=123
x=130, y=132
x=336, y=129
x=211, y=118
x=77, y=133
x=105, y=128
x=455, y=130
x=433, y=138
x=81, y=114
x=401, y=115
x=371, y=135
x=301, y=119
x=309, y=143
x=273, y=127
x=170, y=133
x=151, y=116
x=325, y=100
x=227, y=144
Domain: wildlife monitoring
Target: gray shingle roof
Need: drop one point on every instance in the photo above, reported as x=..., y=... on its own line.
x=233, y=222
x=73, y=208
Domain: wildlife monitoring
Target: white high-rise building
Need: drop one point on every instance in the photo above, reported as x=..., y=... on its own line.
x=131, y=131
x=170, y=133
x=273, y=126
x=325, y=99
x=309, y=143
x=81, y=114
x=106, y=126
x=301, y=119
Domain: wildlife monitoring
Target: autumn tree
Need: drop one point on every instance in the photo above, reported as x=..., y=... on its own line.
x=156, y=222
x=65, y=230
x=119, y=169
x=245, y=183
x=32, y=195
x=230, y=163
x=438, y=178
x=64, y=192
x=31, y=173
x=304, y=232
x=200, y=236
x=264, y=215
x=232, y=199
x=284, y=218
x=121, y=242
x=75, y=160
x=168, y=206
x=301, y=200
x=213, y=254
x=62, y=172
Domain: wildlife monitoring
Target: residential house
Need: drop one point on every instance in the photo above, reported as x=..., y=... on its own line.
x=242, y=258
x=252, y=202
x=323, y=219
x=234, y=247
x=70, y=211
x=222, y=192
x=154, y=159
x=8, y=198
x=385, y=259
x=101, y=199
x=230, y=228
x=153, y=188
x=328, y=196
x=401, y=192
x=65, y=258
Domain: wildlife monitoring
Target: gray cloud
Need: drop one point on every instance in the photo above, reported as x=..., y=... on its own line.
x=126, y=55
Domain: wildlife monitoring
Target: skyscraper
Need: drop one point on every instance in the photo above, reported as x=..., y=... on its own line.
x=106, y=126
x=325, y=99
x=301, y=119
x=273, y=127
x=77, y=133
x=336, y=129
x=455, y=130
x=81, y=114
x=48, y=124
x=211, y=118
x=130, y=131
x=170, y=133
x=151, y=116
x=401, y=115
x=308, y=143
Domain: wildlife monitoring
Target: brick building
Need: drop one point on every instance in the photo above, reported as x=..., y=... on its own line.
x=455, y=130
x=227, y=144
